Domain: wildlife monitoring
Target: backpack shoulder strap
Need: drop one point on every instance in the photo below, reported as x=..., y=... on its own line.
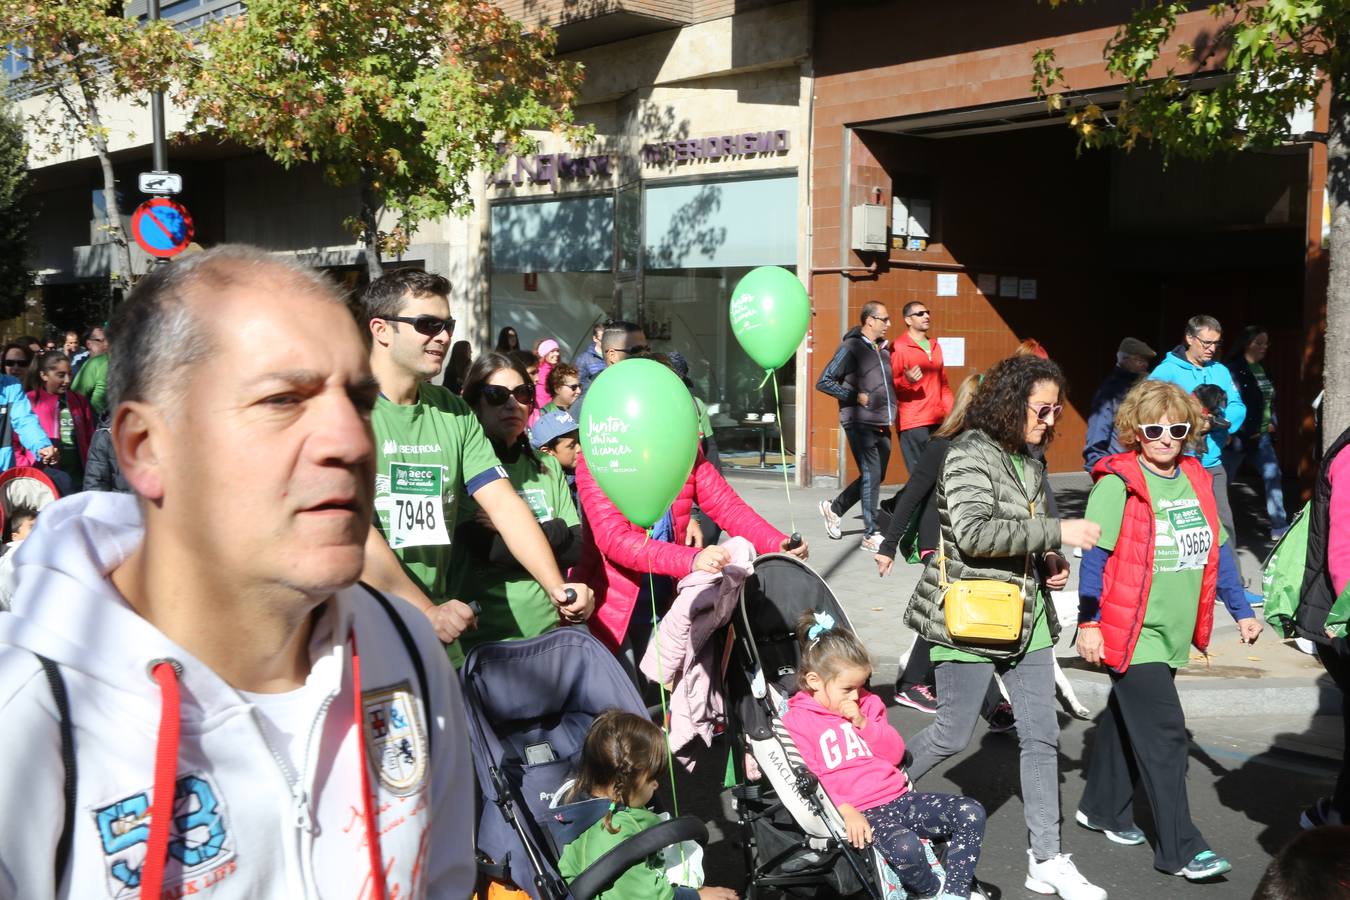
x=406, y=636
x=58, y=686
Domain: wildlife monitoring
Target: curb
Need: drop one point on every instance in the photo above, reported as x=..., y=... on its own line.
x=1201, y=697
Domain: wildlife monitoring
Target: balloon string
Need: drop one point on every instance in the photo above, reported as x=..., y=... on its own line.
x=782, y=449
x=661, y=683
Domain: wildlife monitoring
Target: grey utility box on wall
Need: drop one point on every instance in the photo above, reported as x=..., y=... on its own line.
x=869, y=227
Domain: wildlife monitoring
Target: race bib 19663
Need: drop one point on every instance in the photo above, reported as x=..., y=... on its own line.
x=417, y=505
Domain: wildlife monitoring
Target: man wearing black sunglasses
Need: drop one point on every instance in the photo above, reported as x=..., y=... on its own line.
x=431, y=452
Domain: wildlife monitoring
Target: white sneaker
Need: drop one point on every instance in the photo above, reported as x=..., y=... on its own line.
x=1060, y=876
x=831, y=521
x=871, y=543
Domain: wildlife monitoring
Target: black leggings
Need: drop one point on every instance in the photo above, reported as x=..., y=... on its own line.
x=919, y=670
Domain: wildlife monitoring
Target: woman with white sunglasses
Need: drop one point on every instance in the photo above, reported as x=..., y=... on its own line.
x=1146, y=596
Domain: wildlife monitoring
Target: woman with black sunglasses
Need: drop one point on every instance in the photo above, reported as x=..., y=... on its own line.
x=514, y=606
x=1146, y=596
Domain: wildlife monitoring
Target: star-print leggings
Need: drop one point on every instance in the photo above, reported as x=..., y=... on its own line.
x=897, y=827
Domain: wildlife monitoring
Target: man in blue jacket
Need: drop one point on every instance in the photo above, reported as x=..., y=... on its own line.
x=1190, y=365
x=17, y=417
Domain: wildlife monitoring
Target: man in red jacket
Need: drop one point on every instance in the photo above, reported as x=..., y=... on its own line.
x=921, y=391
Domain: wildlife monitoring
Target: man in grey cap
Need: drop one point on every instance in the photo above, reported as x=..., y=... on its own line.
x=1133, y=360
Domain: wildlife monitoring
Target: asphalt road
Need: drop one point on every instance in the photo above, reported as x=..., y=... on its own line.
x=1244, y=795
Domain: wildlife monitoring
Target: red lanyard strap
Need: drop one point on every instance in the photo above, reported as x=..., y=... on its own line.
x=367, y=800
x=166, y=778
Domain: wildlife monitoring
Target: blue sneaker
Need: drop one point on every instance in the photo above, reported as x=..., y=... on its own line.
x=1207, y=864
x=1130, y=836
x=1256, y=600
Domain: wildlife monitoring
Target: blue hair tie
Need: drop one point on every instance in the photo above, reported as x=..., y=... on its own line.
x=824, y=623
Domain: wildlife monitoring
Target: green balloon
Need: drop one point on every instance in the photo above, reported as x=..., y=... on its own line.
x=769, y=315
x=639, y=431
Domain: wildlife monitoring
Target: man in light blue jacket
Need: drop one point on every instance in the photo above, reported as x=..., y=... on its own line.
x=1195, y=363
x=17, y=417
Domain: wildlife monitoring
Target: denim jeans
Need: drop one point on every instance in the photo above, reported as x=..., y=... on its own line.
x=871, y=448
x=1261, y=451
x=961, y=688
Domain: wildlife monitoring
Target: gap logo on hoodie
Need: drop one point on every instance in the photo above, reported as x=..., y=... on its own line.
x=199, y=838
x=396, y=737
x=853, y=747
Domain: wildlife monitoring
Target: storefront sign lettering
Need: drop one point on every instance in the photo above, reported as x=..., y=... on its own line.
x=550, y=168
x=748, y=144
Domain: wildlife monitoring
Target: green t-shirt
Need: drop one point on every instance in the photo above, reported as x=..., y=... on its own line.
x=1267, y=396
x=926, y=344
x=514, y=605
x=65, y=442
x=91, y=382
x=1040, y=625
x=1181, y=547
x=429, y=455
x=645, y=880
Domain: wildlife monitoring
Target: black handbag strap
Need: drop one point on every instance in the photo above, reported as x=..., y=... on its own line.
x=406, y=636
x=58, y=686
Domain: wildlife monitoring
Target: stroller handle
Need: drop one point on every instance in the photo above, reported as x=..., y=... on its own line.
x=602, y=873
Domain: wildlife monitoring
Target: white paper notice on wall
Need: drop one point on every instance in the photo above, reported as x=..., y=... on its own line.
x=1026, y=289
x=987, y=284
x=1007, y=285
x=946, y=284
x=953, y=351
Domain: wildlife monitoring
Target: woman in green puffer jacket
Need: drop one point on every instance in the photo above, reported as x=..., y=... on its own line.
x=991, y=506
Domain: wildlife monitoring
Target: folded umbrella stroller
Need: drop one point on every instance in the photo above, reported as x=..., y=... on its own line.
x=793, y=835
x=530, y=705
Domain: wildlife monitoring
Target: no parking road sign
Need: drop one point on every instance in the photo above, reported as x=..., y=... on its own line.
x=162, y=227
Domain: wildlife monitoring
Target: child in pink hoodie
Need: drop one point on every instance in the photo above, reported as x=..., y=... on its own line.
x=840, y=728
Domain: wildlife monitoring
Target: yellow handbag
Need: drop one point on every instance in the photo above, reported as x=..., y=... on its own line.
x=981, y=611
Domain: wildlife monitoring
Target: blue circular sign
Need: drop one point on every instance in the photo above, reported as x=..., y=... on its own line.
x=162, y=227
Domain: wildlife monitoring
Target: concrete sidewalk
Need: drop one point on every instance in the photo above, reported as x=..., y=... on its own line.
x=1268, y=679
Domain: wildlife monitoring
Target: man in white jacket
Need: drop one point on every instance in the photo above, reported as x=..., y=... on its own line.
x=245, y=721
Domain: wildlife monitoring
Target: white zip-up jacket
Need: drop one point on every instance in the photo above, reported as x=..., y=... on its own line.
x=245, y=826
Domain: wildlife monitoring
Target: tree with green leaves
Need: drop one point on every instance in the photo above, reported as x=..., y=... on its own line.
x=15, y=215
x=1263, y=61
x=76, y=56
x=406, y=100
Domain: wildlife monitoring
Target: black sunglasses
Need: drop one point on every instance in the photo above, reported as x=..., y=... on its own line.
x=427, y=325
x=574, y=385
x=633, y=351
x=16, y=362
x=496, y=395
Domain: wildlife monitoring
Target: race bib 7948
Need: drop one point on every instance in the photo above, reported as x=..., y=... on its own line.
x=417, y=505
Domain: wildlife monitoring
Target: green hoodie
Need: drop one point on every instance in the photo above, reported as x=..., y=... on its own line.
x=645, y=881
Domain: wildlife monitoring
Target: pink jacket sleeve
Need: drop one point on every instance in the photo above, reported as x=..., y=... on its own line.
x=1338, y=537
x=542, y=397
x=623, y=543
x=805, y=732
x=882, y=738
x=719, y=500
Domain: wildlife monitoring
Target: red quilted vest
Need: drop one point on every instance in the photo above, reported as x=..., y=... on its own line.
x=1129, y=572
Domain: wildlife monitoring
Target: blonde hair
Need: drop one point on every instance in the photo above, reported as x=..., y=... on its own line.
x=955, y=423
x=830, y=652
x=1149, y=401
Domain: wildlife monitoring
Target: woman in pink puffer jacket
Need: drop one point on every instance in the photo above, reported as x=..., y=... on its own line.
x=616, y=555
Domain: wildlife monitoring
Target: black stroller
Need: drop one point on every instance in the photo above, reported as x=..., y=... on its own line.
x=531, y=704
x=793, y=835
